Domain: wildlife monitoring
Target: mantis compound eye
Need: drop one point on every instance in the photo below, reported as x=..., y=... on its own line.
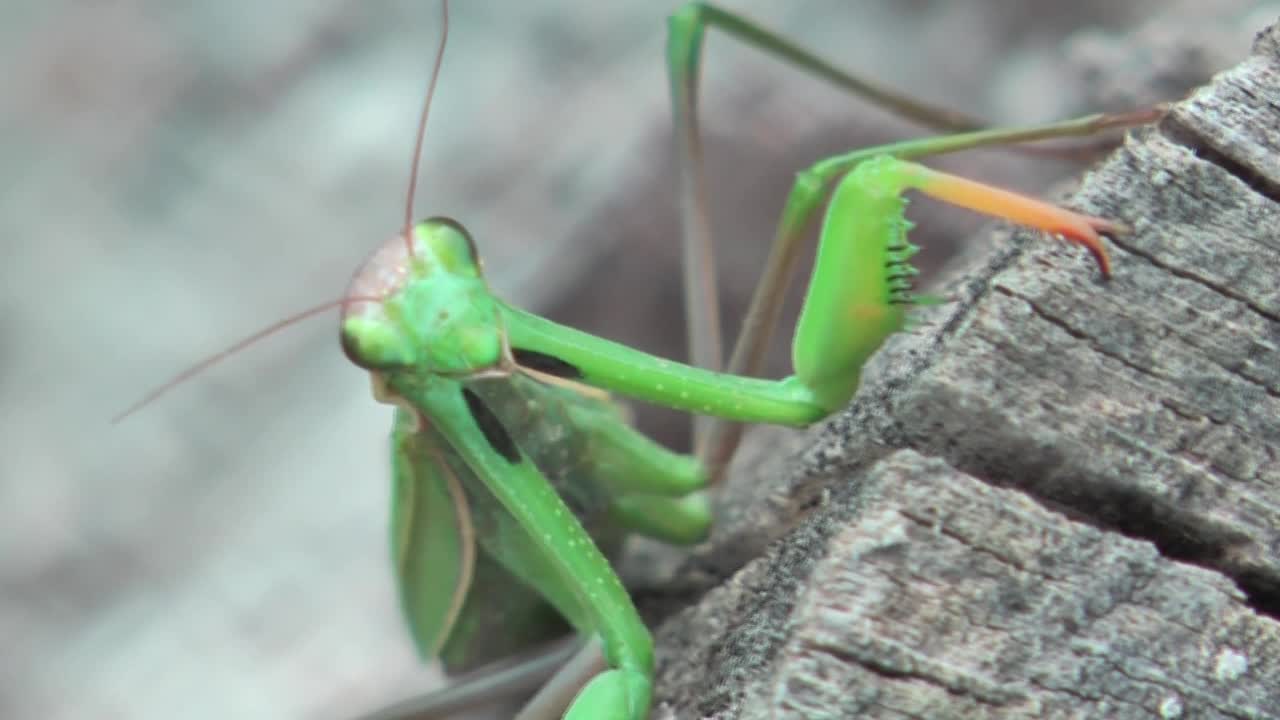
x=451, y=244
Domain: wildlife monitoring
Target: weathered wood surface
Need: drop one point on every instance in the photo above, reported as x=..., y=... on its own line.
x=1060, y=499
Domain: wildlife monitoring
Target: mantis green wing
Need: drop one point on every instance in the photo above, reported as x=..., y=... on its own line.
x=432, y=540
x=450, y=590
x=449, y=532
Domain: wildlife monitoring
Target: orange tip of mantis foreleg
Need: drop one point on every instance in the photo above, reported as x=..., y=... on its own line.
x=1023, y=210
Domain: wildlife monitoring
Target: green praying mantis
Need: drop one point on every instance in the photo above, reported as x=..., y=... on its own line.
x=516, y=478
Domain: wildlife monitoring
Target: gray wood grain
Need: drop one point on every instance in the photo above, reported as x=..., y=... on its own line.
x=927, y=593
x=1083, y=519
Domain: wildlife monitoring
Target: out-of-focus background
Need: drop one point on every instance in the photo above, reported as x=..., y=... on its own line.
x=177, y=175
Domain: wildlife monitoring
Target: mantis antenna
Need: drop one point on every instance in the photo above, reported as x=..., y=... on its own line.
x=217, y=357
x=416, y=163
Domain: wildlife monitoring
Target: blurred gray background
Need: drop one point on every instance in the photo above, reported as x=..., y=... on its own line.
x=177, y=175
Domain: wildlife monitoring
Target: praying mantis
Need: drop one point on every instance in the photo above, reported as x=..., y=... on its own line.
x=515, y=476
x=512, y=487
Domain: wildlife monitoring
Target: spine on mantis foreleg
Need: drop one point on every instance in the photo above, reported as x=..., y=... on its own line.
x=861, y=286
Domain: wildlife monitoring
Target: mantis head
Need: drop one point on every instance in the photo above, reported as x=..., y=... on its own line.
x=421, y=302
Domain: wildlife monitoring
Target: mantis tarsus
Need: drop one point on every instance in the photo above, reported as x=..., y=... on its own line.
x=516, y=477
